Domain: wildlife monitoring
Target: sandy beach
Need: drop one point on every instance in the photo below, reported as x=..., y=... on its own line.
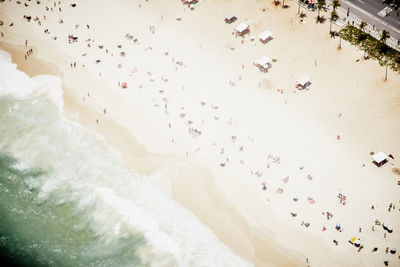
x=209, y=129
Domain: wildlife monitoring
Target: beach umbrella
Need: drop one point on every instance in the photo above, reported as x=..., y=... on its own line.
x=389, y=228
x=124, y=85
x=264, y=184
x=357, y=243
x=337, y=226
x=393, y=250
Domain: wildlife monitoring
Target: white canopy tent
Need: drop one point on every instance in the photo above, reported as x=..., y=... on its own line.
x=264, y=36
x=242, y=28
x=230, y=17
x=303, y=81
x=379, y=157
x=263, y=62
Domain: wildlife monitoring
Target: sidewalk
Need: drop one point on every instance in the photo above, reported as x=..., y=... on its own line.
x=355, y=20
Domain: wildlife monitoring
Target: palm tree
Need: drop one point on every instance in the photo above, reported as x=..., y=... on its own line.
x=334, y=16
x=320, y=5
x=335, y=4
x=396, y=4
x=298, y=11
x=384, y=36
x=362, y=26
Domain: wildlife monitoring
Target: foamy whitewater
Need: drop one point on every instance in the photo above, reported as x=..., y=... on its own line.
x=67, y=200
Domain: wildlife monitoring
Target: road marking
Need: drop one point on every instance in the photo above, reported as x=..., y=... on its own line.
x=372, y=16
x=385, y=12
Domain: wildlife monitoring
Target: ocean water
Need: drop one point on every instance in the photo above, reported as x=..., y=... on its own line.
x=66, y=199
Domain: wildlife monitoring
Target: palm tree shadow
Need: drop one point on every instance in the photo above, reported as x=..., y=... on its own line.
x=334, y=34
x=320, y=19
x=276, y=2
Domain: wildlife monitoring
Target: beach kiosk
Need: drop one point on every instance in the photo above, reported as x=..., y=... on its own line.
x=242, y=29
x=265, y=36
x=229, y=18
x=379, y=158
x=263, y=63
x=303, y=82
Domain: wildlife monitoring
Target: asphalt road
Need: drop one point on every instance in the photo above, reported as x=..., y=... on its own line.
x=368, y=10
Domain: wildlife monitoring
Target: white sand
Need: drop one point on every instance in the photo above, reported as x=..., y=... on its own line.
x=298, y=127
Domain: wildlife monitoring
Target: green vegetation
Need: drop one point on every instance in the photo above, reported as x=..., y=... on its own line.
x=335, y=4
x=376, y=49
x=320, y=5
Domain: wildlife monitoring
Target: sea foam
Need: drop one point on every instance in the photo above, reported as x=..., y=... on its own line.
x=86, y=206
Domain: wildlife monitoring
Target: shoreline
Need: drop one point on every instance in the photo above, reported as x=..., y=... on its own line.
x=138, y=158
x=297, y=128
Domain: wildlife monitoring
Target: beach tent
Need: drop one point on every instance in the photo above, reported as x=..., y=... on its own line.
x=265, y=36
x=229, y=18
x=263, y=63
x=379, y=158
x=303, y=82
x=242, y=29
